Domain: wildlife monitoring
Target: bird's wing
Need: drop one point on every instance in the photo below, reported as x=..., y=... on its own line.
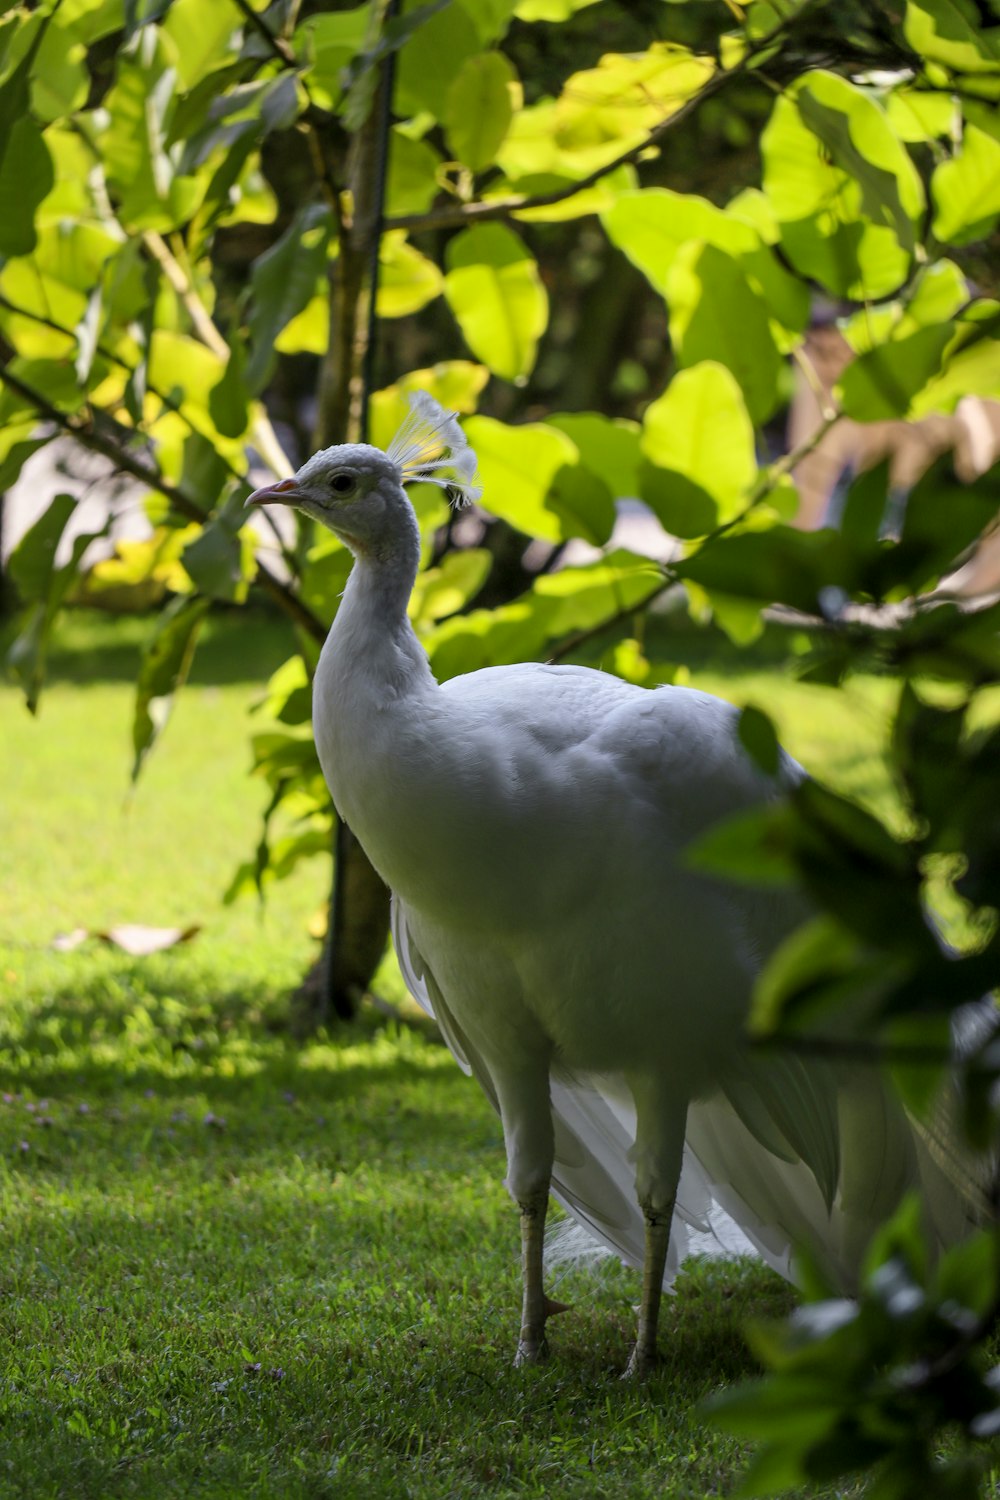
x=786, y=1154
x=594, y=1130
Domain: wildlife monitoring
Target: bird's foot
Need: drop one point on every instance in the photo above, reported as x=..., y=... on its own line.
x=642, y=1363
x=531, y=1350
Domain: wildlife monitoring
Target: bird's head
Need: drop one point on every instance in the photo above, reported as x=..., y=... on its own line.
x=354, y=488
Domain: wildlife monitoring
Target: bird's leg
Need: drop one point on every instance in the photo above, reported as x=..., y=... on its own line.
x=644, y=1355
x=526, y=1111
x=661, y=1119
x=531, y=1346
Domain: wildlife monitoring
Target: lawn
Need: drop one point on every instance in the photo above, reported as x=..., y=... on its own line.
x=234, y=1266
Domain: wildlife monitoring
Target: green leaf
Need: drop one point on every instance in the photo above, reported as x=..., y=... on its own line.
x=860, y=142
x=608, y=446
x=229, y=401
x=951, y=32
x=282, y=281
x=652, y=224
x=550, y=10
x=843, y=189
x=407, y=280
x=821, y=951
x=201, y=35
x=432, y=59
x=164, y=668
x=493, y=287
x=881, y=384
x=32, y=566
x=558, y=604
x=479, y=109
x=26, y=177
x=918, y=116
x=749, y=848
x=413, y=174
x=759, y=739
x=220, y=560
x=699, y=442
x=444, y=590
x=715, y=314
x=330, y=41
x=517, y=466
x=583, y=502
x=966, y=189
x=139, y=108
x=780, y=565
x=32, y=561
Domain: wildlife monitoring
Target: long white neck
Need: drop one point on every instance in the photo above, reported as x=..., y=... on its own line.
x=371, y=642
x=373, y=682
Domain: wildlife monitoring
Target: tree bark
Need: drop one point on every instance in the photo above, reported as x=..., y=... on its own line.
x=359, y=905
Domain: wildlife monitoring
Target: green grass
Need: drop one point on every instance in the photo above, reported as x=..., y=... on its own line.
x=234, y=1267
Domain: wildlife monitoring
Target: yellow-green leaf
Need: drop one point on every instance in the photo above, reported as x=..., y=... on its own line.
x=407, y=280
x=699, y=443
x=517, y=466
x=966, y=189
x=493, y=287
x=479, y=108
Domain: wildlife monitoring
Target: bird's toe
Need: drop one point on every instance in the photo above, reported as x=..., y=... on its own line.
x=642, y=1363
x=531, y=1351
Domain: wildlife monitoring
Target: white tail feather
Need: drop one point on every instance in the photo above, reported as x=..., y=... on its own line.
x=431, y=446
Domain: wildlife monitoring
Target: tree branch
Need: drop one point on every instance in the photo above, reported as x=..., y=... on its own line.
x=318, y=120
x=262, y=434
x=85, y=432
x=502, y=208
x=168, y=402
x=574, y=642
x=276, y=44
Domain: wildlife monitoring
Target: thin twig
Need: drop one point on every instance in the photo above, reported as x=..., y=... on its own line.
x=574, y=642
x=168, y=402
x=84, y=431
x=280, y=48
x=262, y=433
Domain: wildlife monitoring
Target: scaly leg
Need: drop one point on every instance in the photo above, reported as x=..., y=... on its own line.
x=644, y=1354
x=661, y=1118
x=523, y=1096
x=532, y=1346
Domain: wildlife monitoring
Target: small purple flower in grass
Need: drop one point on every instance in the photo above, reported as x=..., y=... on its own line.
x=216, y=1122
x=23, y=1146
x=83, y=1108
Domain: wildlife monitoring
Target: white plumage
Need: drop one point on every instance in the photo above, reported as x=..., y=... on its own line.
x=531, y=823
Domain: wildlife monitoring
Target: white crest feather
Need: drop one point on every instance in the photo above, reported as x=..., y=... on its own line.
x=431, y=446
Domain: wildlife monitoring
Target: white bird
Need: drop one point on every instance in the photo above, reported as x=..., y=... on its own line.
x=531, y=822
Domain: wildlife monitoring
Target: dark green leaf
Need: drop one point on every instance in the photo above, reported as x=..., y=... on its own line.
x=32, y=561
x=758, y=737
x=164, y=668
x=26, y=177
x=283, y=280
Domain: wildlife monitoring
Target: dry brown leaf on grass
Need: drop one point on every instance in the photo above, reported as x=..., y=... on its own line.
x=131, y=937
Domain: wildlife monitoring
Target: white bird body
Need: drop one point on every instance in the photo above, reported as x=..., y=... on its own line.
x=532, y=823
x=516, y=814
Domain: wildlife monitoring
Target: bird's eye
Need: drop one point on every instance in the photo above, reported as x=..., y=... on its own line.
x=342, y=484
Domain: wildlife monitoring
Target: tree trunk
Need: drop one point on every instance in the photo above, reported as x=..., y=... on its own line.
x=359, y=905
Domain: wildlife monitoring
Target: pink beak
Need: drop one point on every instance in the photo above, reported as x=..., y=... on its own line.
x=272, y=494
